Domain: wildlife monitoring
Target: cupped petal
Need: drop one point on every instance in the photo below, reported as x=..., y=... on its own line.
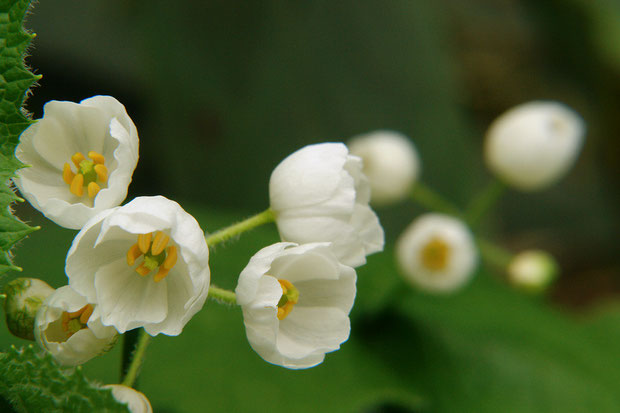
x=312, y=330
x=126, y=299
x=309, y=176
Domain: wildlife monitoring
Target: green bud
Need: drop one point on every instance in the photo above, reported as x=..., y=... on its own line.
x=24, y=296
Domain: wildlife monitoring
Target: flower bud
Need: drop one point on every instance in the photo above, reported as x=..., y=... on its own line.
x=532, y=270
x=391, y=164
x=531, y=146
x=136, y=401
x=24, y=296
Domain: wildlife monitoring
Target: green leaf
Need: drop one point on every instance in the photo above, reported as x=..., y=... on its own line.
x=33, y=383
x=15, y=81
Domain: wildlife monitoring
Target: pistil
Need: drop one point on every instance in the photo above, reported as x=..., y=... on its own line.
x=435, y=255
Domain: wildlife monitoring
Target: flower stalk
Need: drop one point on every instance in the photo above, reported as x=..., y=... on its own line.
x=138, y=357
x=432, y=201
x=484, y=201
x=221, y=295
x=233, y=230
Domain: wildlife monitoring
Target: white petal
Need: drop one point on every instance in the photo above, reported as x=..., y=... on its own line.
x=309, y=330
x=128, y=300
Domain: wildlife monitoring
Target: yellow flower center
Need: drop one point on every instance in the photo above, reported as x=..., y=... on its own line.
x=89, y=172
x=156, y=255
x=290, y=296
x=435, y=254
x=76, y=320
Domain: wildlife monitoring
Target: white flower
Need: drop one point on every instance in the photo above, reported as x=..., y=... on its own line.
x=319, y=194
x=81, y=159
x=531, y=146
x=146, y=264
x=295, y=302
x=24, y=297
x=532, y=270
x=436, y=253
x=391, y=164
x=69, y=328
x=136, y=401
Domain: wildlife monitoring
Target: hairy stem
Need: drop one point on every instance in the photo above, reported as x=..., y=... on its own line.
x=221, y=295
x=227, y=233
x=138, y=358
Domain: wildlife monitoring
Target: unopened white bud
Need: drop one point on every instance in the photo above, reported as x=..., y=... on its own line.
x=391, y=164
x=532, y=270
x=532, y=145
x=136, y=401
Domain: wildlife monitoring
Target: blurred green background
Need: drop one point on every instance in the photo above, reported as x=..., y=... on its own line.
x=222, y=91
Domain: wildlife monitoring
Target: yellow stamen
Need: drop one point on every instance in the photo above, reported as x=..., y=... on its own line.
x=65, y=321
x=132, y=254
x=142, y=270
x=77, y=185
x=102, y=173
x=290, y=296
x=96, y=157
x=159, y=243
x=144, y=242
x=161, y=274
x=87, y=312
x=435, y=255
x=285, y=310
x=77, y=158
x=93, y=189
x=67, y=174
x=171, y=258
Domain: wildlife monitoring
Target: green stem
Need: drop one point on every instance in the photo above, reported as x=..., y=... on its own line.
x=481, y=204
x=227, y=233
x=221, y=295
x=432, y=201
x=494, y=254
x=138, y=357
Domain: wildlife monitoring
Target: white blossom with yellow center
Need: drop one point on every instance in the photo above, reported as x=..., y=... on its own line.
x=436, y=253
x=70, y=329
x=80, y=159
x=146, y=264
x=296, y=301
x=533, y=145
x=319, y=194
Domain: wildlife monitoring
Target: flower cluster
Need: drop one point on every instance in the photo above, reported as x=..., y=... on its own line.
x=146, y=264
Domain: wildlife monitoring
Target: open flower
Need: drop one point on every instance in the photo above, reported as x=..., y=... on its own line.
x=81, y=158
x=146, y=264
x=532, y=145
x=296, y=300
x=319, y=194
x=69, y=328
x=436, y=253
x=391, y=164
x=136, y=401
